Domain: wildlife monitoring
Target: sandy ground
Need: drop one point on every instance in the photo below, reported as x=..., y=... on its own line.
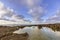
x=6, y=33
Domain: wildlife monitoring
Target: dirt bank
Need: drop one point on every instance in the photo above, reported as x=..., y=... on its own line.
x=6, y=33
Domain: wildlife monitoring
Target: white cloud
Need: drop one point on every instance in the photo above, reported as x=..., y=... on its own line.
x=55, y=18
x=34, y=8
x=37, y=13
x=5, y=11
x=30, y=3
x=8, y=16
x=18, y=18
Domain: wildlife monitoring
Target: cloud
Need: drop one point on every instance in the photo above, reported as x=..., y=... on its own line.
x=18, y=18
x=30, y=3
x=37, y=13
x=35, y=10
x=55, y=18
x=33, y=7
x=8, y=16
x=5, y=12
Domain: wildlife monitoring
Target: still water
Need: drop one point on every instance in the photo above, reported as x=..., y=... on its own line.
x=39, y=34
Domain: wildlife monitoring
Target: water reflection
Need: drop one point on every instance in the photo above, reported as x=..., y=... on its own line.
x=39, y=34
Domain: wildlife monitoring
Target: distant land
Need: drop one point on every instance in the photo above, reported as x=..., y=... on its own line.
x=54, y=26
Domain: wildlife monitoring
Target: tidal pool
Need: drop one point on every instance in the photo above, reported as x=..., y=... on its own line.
x=44, y=33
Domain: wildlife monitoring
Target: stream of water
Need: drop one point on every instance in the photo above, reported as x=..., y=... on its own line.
x=39, y=34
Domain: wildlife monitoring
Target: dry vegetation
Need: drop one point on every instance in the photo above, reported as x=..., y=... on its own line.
x=55, y=27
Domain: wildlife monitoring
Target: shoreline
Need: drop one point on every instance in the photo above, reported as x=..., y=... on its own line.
x=6, y=33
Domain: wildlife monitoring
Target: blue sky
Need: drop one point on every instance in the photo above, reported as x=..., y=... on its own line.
x=35, y=10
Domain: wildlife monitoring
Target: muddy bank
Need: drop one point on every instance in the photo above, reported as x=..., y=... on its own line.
x=6, y=33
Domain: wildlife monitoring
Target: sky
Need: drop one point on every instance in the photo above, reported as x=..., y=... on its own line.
x=26, y=11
